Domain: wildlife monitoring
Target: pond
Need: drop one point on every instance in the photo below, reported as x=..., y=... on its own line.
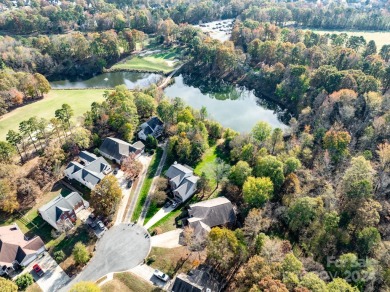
x=234, y=107
x=110, y=80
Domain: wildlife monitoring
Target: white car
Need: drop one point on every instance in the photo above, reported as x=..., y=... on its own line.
x=161, y=275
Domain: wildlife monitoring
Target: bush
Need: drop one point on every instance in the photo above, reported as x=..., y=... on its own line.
x=159, y=197
x=24, y=281
x=150, y=260
x=8, y=285
x=157, y=231
x=80, y=254
x=59, y=256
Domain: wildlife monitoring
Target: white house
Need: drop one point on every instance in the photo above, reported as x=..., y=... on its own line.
x=182, y=180
x=89, y=171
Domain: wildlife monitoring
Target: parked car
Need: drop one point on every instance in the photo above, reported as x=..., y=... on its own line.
x=116, y=170
x=168, y=203
x=161, y=275
x=174, y=205
x=129, y=184
x=38, y=270
x=101, y=225
x=92, y=223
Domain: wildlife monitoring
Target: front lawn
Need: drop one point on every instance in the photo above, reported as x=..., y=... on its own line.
x=167, y=223
x=147, y=184
x=128, y=282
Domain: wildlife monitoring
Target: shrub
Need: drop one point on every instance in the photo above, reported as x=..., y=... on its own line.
x=24, y=281
x=59, y=256
x=80, y=253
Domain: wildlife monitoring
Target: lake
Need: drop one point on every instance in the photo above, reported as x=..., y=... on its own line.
x=234, y=107
x=381, y=38
x=110, y=80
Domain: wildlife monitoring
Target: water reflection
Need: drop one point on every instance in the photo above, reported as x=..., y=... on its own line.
x=234, y=107
x=110, y=80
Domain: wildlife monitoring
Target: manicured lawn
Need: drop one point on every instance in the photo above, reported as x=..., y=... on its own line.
x=206, y=165
x=167, y=223
x=149, y=63
x=128, y=282
x=174, y=260
x=79, y=100
x=147, y=184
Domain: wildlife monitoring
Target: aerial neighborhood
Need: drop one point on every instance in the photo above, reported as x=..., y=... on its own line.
x=195, y=146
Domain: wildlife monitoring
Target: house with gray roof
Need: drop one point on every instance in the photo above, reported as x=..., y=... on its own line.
x=207, y=214
x=154, y=126
x=16, y=249
x=182, y=181
x=61, y=211
x=89, y=171
x=117, y=149
x=201, y=279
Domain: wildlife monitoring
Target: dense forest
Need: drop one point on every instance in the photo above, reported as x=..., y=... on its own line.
x=313, y=200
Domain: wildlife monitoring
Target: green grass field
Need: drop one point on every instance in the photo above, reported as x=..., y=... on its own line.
x=147, y=184
x=150, y=64
x=79, y=100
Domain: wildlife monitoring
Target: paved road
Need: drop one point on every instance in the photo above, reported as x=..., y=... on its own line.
x=145, y=160
x=156, y=176
x=121, y=248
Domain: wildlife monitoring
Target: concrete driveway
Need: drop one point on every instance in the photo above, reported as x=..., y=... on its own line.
x=121, y=248
x=54, y=277
x=168, y=239
x=146, y=273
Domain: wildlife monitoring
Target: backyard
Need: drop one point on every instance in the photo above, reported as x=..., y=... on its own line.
x=79, y=100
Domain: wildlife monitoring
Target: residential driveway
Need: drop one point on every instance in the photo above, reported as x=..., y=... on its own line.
x=168, y=239
x=145, y=160
x=121, y=248
x=125, y=195
x=53, y=278
x=158, y=216
x=146, y=273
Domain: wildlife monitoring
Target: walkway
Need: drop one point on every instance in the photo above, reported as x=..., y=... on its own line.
x=145, y=162
x=169, y=77
x=168, y=239
x=152, y=188
x=158, y=216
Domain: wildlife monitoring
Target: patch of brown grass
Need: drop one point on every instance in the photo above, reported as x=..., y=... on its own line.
x=175, y=260
x=128, y=282
x=34, y=288
x=115, y=285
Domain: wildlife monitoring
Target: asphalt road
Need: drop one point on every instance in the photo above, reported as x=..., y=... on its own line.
x=121, y=248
